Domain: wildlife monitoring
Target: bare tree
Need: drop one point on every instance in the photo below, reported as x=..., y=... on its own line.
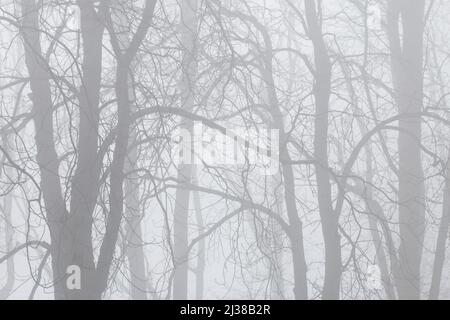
x=407, y=73
x=97, y=98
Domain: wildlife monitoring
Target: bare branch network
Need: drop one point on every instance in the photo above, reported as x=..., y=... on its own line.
x=219, y=149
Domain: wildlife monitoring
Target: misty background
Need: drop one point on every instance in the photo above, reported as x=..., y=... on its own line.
x=93, y=92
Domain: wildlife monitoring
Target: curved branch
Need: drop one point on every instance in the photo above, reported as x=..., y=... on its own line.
x=43, y=244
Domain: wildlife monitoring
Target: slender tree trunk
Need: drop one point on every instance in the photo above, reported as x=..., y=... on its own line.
x=441, y=243
x=124, y=60
x=296, y=233
x=6, y=207
x=189, y=66
x=134, y=249
x=116, y=198
x=439, y=257
x=277, y=289
x=200, y=268
x=407, y=72
x=366, y=192
x=133, y=229
x=329, y=218
x=85, y=180
x=47, y=158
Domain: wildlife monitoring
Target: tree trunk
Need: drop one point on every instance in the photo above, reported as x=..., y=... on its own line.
x=189, y=67
x=134, y=247
x=366, y=192
x=441, y=243
x=200, y=268
x=133, y=239
x=407, y=73
x=9, y=240
x=124, y=121
x=296, y=232
x=329, y=218
x=47, y=158
x=439, y=257
x=85, y=181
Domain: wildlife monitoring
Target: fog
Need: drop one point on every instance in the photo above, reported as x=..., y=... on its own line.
x=292, y=149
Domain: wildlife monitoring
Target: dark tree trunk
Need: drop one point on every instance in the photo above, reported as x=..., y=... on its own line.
x=328, y=216
x=407, y=73
x=46, y=154
x=117, y=176
x=85, y=181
